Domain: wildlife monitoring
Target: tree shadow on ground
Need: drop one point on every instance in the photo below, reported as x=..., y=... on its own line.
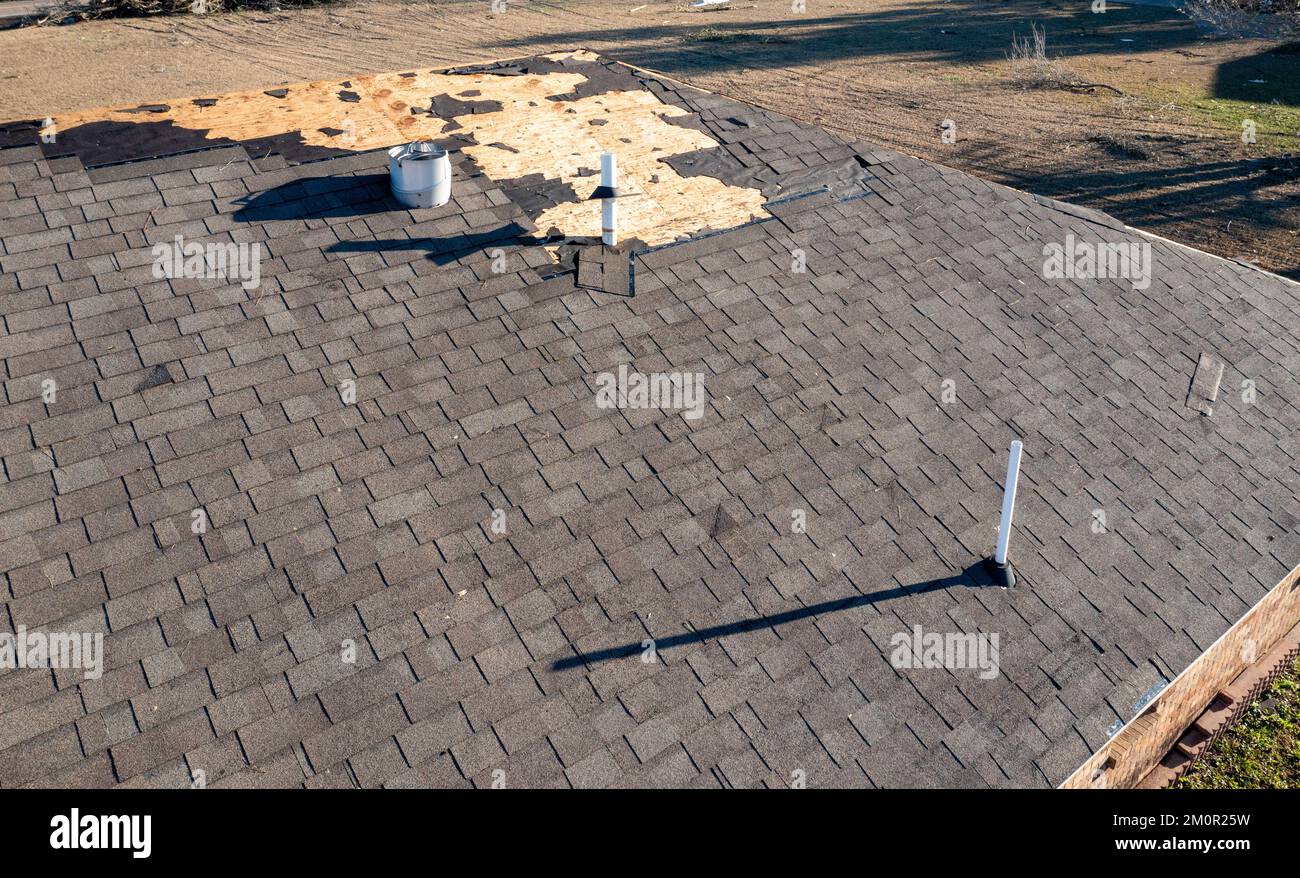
x=1167, y=197
x=959, y=31
x=1271, y=76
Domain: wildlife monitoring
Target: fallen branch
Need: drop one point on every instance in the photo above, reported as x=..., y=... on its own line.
x=1085, y=85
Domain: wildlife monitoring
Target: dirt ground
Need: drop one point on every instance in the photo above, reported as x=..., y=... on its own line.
x=1158, y=144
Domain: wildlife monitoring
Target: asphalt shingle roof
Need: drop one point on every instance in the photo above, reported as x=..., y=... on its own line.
x=478, y=651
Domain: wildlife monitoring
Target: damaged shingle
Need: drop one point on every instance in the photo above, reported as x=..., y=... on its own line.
x=1204, y=389
x=607, y=269
x=157, y=377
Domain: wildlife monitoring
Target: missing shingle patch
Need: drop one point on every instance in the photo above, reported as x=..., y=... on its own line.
x=513, y=128
x=1204, y=389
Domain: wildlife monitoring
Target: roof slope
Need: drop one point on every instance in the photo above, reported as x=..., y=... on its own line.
x=522, y=651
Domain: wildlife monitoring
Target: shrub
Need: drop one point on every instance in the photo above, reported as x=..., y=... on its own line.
x=1246, y=19
x=80, y=10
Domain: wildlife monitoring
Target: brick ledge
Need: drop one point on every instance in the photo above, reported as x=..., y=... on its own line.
x=1222, y=712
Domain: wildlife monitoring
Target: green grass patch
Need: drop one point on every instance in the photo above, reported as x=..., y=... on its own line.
x=1262, y=751
x=1263, y=88
x=1277, y=125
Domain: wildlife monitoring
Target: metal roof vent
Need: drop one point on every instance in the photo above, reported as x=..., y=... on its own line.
x=420, y=174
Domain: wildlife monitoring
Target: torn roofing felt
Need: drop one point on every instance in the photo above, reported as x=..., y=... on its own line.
x=825, y=335
x=845, y=177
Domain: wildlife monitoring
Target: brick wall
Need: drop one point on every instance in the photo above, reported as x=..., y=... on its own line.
x=1144, y=741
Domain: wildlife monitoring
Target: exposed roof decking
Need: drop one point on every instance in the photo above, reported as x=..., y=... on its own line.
x=371, y=522
x=549, y=117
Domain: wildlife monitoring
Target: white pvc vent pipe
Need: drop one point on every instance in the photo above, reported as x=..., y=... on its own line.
x=608, y=204
x=1008, y=503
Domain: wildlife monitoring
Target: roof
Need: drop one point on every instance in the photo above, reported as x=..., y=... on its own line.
x=464, y=571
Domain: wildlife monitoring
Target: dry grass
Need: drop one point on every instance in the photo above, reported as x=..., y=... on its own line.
x=1032, y=68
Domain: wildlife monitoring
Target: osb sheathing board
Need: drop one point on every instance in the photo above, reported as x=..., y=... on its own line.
x=552, y=138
